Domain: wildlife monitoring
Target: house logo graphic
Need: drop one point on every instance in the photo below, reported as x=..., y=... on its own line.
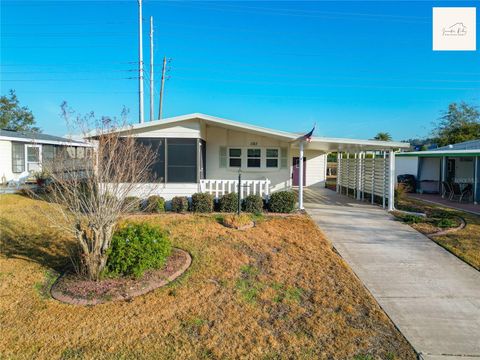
x=454, y=29
x=457, y=29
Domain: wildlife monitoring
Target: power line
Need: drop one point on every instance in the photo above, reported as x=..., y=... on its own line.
x=323, y=84
x=82, y=79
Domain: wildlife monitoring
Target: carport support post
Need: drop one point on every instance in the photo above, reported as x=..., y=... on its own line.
x=391, y=181
x=300, y=178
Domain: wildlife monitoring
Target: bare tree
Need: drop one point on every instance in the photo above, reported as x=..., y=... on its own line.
x=90, y=189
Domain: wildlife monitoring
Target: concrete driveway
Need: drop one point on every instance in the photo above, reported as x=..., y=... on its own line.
x=430, y=295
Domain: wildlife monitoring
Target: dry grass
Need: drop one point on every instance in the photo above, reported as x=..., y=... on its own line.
x=464, y=243
x=276, y=291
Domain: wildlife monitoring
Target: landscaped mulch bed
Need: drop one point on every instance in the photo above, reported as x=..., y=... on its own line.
x=77, y=291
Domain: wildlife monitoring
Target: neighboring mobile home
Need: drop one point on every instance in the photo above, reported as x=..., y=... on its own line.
x=452, y=164
x=23, y=153
x=198, y=152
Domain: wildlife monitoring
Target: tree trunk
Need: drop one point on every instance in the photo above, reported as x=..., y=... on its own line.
x=95, y=243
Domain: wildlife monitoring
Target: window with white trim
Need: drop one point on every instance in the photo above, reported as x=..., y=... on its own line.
x=272, y=158
x=235, y=157
x=254, y=157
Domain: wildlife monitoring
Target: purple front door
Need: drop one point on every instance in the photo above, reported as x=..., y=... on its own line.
x=296, y=171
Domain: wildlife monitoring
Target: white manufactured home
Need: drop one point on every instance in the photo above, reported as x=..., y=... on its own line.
x=24, y=153
x=198, y=152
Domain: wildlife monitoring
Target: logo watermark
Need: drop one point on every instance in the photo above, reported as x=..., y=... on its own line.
x=454, y=28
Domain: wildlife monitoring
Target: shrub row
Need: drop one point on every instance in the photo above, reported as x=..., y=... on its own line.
x=280, y=202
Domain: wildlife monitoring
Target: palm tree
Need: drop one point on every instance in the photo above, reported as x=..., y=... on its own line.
x=383, y=136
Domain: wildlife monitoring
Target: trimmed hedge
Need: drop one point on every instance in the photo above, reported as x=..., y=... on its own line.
x=155, y=204
x=132, y=203
x=228, y=203
x=179, y=204
x=253, y=204
x=202, y=202
x=136, y=248
x=282, y=202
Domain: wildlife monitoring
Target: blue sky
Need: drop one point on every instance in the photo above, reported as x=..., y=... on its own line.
x=354, y=68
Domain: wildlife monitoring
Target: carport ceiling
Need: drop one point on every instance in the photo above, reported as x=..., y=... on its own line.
x=351, y=145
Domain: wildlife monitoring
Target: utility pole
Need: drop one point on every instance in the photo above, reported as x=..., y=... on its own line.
x=164, y=67
x=140, y=63
x=151, y=68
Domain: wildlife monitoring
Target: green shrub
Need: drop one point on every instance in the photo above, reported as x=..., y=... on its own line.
x=253, y=204
x=282, y=202
x=155, y=204
x=132, y=203
x=446, y=223
x=202, y=202
x=179, y=204
x=136, y=248
x=228, y=203
x=413, y=219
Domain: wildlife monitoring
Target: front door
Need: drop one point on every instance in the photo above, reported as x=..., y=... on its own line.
x=33, y=156
x=296, y=171
x=450, y=170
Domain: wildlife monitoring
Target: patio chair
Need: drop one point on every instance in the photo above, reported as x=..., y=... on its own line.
x=467, y=191
x=460, y=193
x=446, y=189
x=21, y=180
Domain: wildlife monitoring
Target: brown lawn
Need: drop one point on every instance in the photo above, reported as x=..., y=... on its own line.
x=464, y=243
x=276, y=291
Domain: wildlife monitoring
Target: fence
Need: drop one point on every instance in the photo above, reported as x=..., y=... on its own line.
x=248, y=187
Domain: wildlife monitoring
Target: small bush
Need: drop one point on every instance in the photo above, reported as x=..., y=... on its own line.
x=155, y=204
x=202, y=202
x=179, y=204
x=282, y=202
x=228, y=203
x=253, y=204
x=136, y=248
x=132, y=203
x=413, y=219
x=446, y=223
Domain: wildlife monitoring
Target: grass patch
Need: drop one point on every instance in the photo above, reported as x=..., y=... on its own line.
x=462, y=243
x=43, y=287
x=322, y=310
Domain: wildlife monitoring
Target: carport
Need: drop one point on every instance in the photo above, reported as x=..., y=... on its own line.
x=365, y=168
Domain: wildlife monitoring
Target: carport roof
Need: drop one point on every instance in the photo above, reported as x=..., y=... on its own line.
x=317, y=143
x=441, y=153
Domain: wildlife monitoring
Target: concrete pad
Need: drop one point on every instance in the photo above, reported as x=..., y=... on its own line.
x=430, y=295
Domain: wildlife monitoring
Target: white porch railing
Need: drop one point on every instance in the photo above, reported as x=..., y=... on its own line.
x=248, y=187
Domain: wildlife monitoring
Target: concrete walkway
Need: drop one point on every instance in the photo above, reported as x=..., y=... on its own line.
x=430, y=295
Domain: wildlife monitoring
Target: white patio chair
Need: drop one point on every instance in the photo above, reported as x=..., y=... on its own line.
x=21, y=180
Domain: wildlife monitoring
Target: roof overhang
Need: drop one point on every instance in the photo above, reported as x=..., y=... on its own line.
x=441, y=153
x=318, y=143
x=45, y=142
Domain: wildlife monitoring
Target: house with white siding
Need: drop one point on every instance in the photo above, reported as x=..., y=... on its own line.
x=198, y=152
x=23, y=153
x=436, y=170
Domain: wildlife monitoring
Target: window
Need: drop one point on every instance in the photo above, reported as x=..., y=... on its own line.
x=33, y=154
x=235, y=157
x=48, y=153
x=157, y=167
x=181, y=160
x=18, y=157
x=253, y=158
x=272, y=158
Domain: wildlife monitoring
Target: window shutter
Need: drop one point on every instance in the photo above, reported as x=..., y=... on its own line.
x=283, y=158
x=223, y=157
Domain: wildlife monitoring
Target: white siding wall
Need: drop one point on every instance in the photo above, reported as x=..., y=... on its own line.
x=167, y=191
x=316, y=166
x=188, y=129
x=6, y=161
x=217, y=137
x=406, y=165
x=430, y=169
x=464, y=169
